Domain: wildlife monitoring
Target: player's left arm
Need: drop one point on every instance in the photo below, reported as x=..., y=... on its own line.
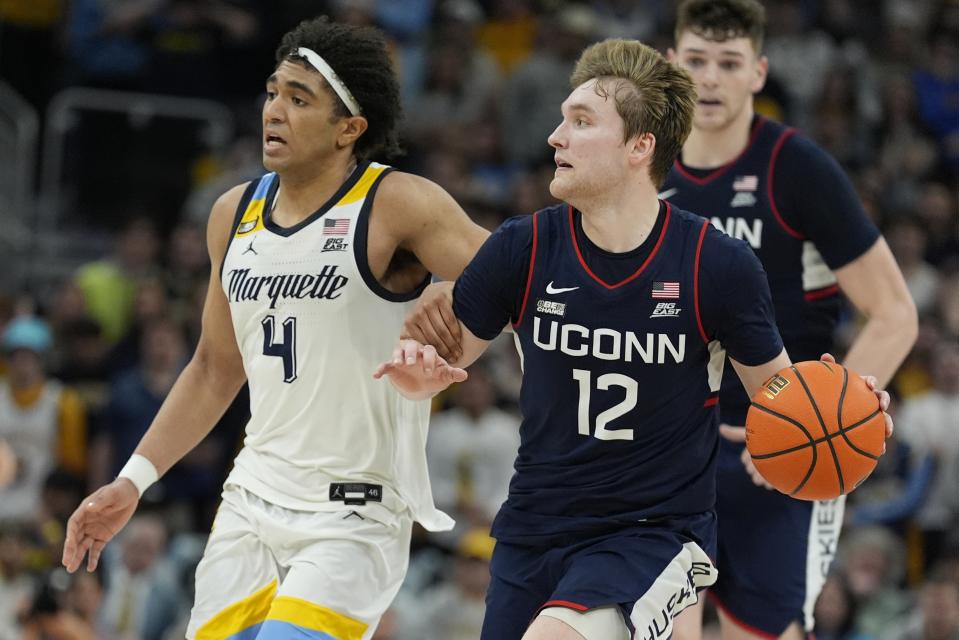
x=814, y=194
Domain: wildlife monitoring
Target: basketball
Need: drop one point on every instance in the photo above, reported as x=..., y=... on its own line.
x=815, y=430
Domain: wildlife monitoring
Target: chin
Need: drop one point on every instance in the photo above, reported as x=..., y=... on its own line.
x=558, y=190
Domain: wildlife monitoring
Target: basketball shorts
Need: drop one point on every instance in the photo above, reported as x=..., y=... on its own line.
x=270, y=573
x=774, y=551
x=651, y=572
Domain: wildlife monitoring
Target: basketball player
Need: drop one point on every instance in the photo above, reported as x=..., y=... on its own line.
x=619, y=304
x=315, y=265
x=764, y=183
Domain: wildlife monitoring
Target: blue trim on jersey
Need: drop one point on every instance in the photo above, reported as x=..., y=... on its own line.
x=250, y=633
x=279, y=630
x=245, y=199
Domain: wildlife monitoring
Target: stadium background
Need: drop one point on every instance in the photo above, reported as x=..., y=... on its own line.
x=122, y=120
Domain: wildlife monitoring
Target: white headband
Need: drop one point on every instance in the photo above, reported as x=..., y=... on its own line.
x=334, y=80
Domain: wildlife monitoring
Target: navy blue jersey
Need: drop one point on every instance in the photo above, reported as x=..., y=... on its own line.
x=797, y=210
x=619, y=377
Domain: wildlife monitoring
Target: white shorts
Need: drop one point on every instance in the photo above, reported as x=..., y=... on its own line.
x=269, y=572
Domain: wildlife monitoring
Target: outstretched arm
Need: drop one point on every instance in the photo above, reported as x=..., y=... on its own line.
x=201, y=394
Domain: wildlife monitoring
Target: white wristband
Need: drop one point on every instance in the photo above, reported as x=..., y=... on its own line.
x=140, y=471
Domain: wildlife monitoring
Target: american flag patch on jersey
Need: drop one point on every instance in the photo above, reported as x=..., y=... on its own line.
x=745, y=183
x=336, y=226
x=668, y=290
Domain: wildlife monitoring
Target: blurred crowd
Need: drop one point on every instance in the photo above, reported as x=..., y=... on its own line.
x=88, y=358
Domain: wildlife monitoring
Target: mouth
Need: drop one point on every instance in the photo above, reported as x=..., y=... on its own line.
x=272, y=141
x=709, y=102
x=562, y=164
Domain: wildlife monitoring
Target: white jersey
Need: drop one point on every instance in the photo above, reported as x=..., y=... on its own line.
x=312, y=324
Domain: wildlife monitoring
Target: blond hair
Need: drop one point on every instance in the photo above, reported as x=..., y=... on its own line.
x=651, y=95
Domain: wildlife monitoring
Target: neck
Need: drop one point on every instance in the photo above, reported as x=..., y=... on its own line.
x=711, y=148
x=623, y=222
x=302, y=194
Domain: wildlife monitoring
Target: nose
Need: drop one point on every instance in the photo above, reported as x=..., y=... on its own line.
x=557, y=139
x=273, y=110
x=710, y=75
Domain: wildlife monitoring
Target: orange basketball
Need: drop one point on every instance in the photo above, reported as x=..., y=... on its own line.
x=815, y=431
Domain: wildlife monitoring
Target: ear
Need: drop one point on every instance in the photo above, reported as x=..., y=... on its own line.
x=350, y=129
x=641, y=149
x=761, y=72
x=671, y=55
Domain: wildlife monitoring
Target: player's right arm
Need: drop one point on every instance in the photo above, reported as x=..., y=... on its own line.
x=196, y=402
x=486, y=297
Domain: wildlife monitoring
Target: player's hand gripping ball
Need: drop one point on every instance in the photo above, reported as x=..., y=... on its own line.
x=815, y=430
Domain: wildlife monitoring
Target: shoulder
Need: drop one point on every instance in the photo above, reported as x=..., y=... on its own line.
x=799, y=152
x=410, y=192
x=221, y=219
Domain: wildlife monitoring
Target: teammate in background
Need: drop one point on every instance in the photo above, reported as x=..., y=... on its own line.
x=618, y=303
x=762, y=182
x=312, y=279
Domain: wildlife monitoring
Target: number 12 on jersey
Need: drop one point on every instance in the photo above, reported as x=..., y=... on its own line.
x=285, y=349
x=604, y=383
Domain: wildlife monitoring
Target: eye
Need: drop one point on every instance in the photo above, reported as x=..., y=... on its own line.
x=298, y=101
x=270, y=95
x=580, y=122
x=729, y=65
x=695, y=63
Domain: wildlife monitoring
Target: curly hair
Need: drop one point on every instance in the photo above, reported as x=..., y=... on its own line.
x=721, y=20
x=651, y=95
x=359, y=56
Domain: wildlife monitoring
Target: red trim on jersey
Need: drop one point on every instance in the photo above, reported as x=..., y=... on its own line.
x=718, y=171
x=579, y=254
x=769, y=184
x=699, y=250
x=566, y=604
x=711, y=402
x=529, y=278
x=740, y=623
x=819, y=294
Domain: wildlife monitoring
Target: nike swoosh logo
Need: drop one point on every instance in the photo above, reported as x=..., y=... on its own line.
x=663, y=195
x=551, y=289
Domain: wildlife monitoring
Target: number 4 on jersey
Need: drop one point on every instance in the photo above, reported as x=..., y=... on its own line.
x=285, y=349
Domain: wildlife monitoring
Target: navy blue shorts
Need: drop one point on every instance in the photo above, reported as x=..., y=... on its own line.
x=651, y=571
x=774, y=551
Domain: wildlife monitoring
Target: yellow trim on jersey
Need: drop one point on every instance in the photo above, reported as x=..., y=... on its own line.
x=240, y=615
x=306, y=614
x=252, y=220
x=362, y=186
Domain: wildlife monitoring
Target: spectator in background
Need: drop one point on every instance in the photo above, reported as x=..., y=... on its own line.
x=16, y=585
x=905, y=152
x=936, y=617
x=930, y=425
x=48, y=617
x=907, y=240
x=455, y=608
x=135, y=399
x=528, y=110
x=109, y=286
x=937, y=89
x=42, y=422
x=470, y=451
x=872, y=562
x=835, y=611
x=937, y=212
x=141, y=598
x=509, y=32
